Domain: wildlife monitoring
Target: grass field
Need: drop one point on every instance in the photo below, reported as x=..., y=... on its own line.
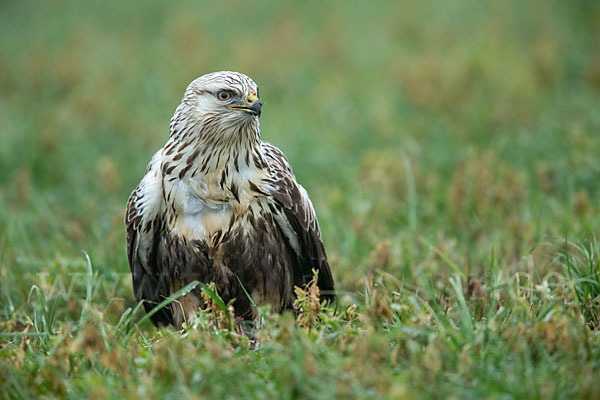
x=451, y=150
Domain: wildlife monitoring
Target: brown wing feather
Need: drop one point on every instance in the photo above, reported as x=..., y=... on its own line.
x=301, y=220
x=150, y=283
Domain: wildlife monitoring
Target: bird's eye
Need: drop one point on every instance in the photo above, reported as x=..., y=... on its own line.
x=224, y=95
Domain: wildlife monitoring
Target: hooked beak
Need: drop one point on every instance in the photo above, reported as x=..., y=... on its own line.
x=252, y=105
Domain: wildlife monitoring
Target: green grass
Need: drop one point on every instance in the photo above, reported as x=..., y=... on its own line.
x=451, y=152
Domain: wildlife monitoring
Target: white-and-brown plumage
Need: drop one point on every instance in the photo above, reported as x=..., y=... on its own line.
x=218, y=204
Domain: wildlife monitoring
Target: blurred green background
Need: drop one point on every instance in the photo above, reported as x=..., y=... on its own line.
x=474, y=126
x=469, y=126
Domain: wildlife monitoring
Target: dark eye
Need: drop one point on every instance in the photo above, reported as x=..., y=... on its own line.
x=224, y=95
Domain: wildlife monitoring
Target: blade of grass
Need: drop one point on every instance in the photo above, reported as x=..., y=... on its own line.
x=88, y=286
x=181, y=292
x=444, y=258
x=466, y=323
x=215, y=298
x=247, y=294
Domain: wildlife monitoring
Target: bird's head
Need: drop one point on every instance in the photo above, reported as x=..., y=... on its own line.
x=222, y=100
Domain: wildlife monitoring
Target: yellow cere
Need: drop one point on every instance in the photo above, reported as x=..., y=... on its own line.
x=251, y=98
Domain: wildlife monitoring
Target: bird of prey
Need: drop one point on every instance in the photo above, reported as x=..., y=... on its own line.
x=218, y=204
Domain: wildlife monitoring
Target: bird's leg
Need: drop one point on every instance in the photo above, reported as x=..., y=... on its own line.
x=249, y=329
